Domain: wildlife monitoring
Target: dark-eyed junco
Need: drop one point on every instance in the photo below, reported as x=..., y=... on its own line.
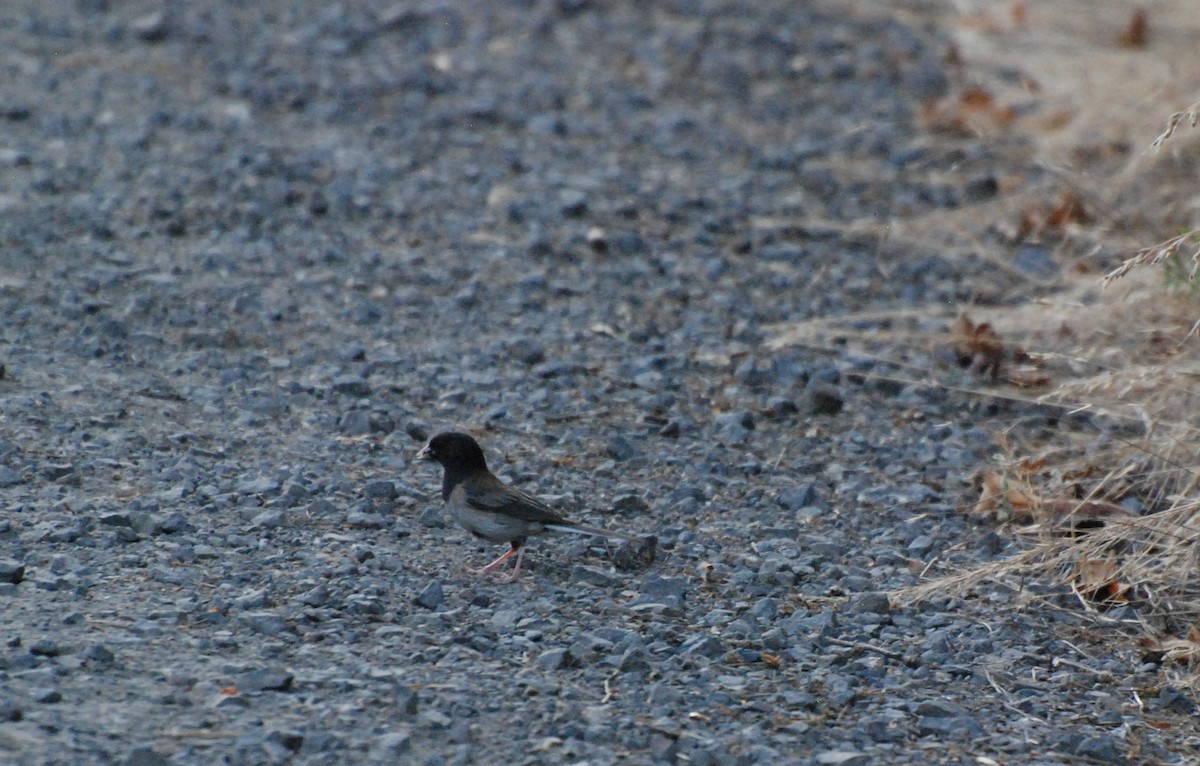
x=492, y=510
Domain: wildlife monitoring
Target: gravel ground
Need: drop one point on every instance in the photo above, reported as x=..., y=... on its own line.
x=254, y=253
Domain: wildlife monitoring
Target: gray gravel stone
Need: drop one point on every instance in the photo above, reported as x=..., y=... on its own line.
x=266, y=623
x=145, y=756
x=431, y=518
x=381, y=490
x=351, y=385
x=705, y=646
x=11, y=571
x=554, y=659
x=430, y=596
x=592, y=576
x=821, y=399
x=266, y=679
x=392, y=745
x=871, y=603
x=620, y=448
x=9, y=477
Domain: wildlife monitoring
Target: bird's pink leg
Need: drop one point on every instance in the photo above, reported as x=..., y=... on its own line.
x=517, y=569
x=487, y=569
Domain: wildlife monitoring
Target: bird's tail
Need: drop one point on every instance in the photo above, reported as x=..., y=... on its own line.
x=584, y=529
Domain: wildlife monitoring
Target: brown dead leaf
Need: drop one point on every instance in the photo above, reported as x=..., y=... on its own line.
x=998, y=498
x=1019, y=13
x=1137, y=34
x=1030, y=465
x=969, y=112
x=1078, y=474
x=978, y=347
x=1041, y=219
x=1069, y=210
x=1097, y=580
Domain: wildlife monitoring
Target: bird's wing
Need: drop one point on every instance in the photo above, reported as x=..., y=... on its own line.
x=490, y=494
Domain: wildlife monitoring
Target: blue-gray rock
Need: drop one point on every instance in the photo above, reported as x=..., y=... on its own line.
x=802, y=496
x=1101, y=748
x=381, y=490
x=283, y=742
x=431, y=518
x=99, y=656
x=940, y=708
x=704, y=646
x=557, y=369
x=526, y=350
x=317, y=596
x=743, y=419
x=829, y=375
x=11, y=571
x=573, y=203
x=430, y=596
x=47, y=696
x=780, y=251
x=406, y=701
x=355, y=423
x=871, y=603
x=821, y=399
x=176, y=523
x=365, y=520
x=265, y=623
x=9, y=477
x=351, y=385
x=880, y=728
x=295, y=492
x=554, y=659
x=981, y=188
x=657, y=585
x=417, y=430
x=1175, y=701
x=781, y=406
x=10, y=711
x=395, y=744
x=258, y=485
x=958, y=727
x=255, y=599
x=55, y=471
x=270, y=519
x=620, y=448
x=266, y=680
x=145, y=756
x=634, y=660
x=322, y=508
x=843, y=758
x=630, y=505
x=44, y=647
x=920, y=546
x=591, y=576
x=1035, y=261
x=754, y=372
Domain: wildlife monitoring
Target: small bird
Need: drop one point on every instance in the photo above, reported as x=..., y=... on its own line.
x=494, y=511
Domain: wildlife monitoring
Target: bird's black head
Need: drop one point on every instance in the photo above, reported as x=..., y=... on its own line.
x=457, y=452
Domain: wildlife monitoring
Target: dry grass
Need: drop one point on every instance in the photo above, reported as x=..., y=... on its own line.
x=1097, y=81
